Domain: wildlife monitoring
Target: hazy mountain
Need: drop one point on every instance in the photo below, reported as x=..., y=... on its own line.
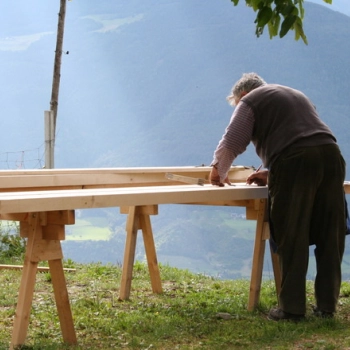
x=144, y=84
x=153, y=91
x=342, y=6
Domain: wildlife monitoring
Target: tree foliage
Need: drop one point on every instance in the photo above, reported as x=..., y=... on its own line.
x=280, y=16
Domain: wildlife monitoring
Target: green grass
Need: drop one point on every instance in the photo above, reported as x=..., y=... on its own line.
x=91, y=229
x=242, y=228
x=190, y=314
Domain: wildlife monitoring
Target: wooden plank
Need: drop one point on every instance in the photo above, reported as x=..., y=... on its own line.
x=26, y=290
x=14, y=180
x=24, y=229
x=24, y=303
x=61, y=217
x=54, y=232
x=145, y=224
x=39, y=268
x=14, y=216
x=347, y=187
x=146, y=210
x=226, y=203
x=252, y=209
x=132, y=226
x=186, y=179
x=17, y=202
x=111, y=177
x=258, y=258
x=128, y=170
x=62, y=301
x=49, y=231
x=46, y=250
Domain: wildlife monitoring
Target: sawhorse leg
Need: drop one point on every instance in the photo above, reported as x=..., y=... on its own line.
x=62, y=301
x=41, y=245
x=261, y=236
x=139, y=219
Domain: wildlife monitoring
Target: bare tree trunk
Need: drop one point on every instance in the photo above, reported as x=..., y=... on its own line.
x=57, y=65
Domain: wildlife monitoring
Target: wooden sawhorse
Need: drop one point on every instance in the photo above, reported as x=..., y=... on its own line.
x=44, y=232
x=139, y=219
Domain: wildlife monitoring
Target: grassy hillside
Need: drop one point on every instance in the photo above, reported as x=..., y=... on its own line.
x=194, y=312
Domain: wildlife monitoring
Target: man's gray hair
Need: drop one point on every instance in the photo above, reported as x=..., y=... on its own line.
x=247, y=83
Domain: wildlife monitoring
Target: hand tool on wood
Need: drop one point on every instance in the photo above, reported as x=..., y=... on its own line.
x=185, y=179
x=258, y=169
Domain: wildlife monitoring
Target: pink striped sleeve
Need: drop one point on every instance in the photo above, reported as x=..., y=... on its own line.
x=235, y=140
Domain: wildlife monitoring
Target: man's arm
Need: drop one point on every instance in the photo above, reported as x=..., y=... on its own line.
x=235, y=140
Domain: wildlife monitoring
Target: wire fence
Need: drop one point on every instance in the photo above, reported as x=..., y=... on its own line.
x=24, y=159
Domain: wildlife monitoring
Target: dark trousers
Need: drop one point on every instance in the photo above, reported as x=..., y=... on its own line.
x=307, y=208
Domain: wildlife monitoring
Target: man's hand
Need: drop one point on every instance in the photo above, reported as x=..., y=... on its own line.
x=215, y=178
x=259, y=178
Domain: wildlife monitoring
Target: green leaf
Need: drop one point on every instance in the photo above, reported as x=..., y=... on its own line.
x=299, y=31
x=274, y=25
x=270, y=12
x=264, y=16
x=301, y=8
x=287, y=25
x=328, y=1
x=255, y=4
x=289, y=9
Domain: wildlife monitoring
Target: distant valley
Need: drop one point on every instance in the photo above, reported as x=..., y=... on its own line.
x=144, y=84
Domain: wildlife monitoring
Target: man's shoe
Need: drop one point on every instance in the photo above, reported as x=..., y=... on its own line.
x=322, y=314
x=280, y=315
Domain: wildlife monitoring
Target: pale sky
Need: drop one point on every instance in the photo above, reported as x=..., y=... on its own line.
x=21, y=42
x=109, y=24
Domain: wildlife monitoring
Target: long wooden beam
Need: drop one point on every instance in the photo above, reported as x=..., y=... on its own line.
x=38, y=201
x=127, y=170
x=59, y=179
x=39, y=268
x=43, y=179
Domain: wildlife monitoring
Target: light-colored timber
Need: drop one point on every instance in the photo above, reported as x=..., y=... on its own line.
x=39, y=269
x=28, y=180
x=37, y=201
